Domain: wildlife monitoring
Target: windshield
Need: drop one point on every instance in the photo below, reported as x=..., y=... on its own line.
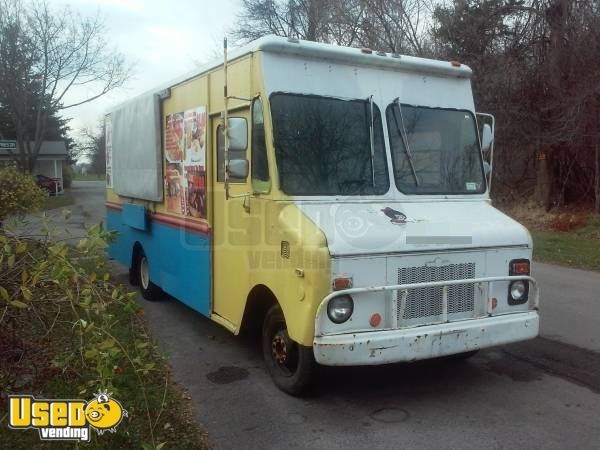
x=323, y=146
x=434, y=151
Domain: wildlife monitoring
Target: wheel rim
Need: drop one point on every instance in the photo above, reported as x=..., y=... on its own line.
x=144, y=273
x=284, y=351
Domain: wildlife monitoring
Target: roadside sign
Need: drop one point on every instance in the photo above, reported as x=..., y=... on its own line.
x=6, y=144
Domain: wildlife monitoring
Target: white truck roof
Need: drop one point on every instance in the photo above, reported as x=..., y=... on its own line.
x=329, y=52
x=357, y=56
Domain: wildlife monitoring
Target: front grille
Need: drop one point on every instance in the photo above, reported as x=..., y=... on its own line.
x=426, y=303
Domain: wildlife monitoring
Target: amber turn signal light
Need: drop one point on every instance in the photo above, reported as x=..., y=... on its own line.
x=342, y=283
x=519, y=267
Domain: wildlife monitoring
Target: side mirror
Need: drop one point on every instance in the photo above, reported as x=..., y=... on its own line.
x=487, y=169
x=238, y=134
x=486, y=138
x=238, y=168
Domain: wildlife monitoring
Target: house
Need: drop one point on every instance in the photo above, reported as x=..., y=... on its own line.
x=82, y=168
x=52, y=156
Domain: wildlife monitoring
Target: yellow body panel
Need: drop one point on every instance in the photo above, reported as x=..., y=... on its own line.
x=248, y=232
x=299, y=282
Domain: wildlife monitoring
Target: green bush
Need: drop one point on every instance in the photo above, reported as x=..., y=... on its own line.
x=68, y=330
x=68, y=175
x=19, y=193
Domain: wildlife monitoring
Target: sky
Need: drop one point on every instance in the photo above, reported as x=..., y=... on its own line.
x=161, y=39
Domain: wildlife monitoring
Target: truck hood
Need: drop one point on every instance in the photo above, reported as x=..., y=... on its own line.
x=390, y=227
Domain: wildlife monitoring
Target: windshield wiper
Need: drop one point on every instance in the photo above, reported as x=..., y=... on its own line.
x=402, y=133
x=372, y=139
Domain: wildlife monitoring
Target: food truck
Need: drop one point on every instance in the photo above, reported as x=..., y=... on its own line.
x=337, y=199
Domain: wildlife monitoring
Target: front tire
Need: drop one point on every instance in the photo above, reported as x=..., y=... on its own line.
x=149, y=290
x=291, y=365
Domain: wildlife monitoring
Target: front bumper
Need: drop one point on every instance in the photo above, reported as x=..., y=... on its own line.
x=431, y=341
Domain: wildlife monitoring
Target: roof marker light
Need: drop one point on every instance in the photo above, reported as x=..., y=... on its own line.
x=382, y=53
x=396, y=55
x=366, y=50
x=455, y=63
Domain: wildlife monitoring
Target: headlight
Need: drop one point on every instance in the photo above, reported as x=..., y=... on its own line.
x=518, y=292
x=339, y=309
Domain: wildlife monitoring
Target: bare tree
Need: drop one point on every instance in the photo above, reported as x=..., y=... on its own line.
x=92, y=146
x=391, y=25
x=45, y=55
x=397, y=26
x=536, y=66
x=302, y=19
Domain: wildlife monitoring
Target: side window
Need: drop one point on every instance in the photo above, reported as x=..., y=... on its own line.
x=221, y=158
x=260, y=165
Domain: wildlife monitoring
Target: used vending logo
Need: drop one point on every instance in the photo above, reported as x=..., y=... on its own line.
x=60, y=420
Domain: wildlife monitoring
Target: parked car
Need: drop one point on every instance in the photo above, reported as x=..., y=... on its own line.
x=51, y=185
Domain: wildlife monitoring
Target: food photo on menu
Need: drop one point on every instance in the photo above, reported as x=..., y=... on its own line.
x=195, y=162
x=195, y=131
x=174, y=142
x=174, y=188
x=195, y=191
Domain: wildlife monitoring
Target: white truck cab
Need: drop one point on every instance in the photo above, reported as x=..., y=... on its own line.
x=422, y=265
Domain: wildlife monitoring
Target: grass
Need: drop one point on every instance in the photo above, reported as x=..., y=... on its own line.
x=89, y=177
x=57, y=201
x=174, y=428
x=566, y=249
x=568, y=238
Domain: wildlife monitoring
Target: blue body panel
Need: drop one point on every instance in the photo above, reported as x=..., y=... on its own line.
x=134, y=216
x=179, y=259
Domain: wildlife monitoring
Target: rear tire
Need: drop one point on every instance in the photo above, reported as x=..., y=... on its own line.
x=133, y=273
x=291, y=365
x=149, y=290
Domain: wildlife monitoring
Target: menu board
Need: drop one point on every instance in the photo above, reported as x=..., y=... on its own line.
x=185, y=162
x=108, y=150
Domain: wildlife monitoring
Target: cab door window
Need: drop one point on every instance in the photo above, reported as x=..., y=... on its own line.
x=261, y=181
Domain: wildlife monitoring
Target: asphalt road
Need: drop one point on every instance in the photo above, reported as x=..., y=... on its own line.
x=570, y=305
x=543, y=393
x=87, y=209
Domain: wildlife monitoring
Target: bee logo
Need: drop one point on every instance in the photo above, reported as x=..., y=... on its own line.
x=104, y=413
